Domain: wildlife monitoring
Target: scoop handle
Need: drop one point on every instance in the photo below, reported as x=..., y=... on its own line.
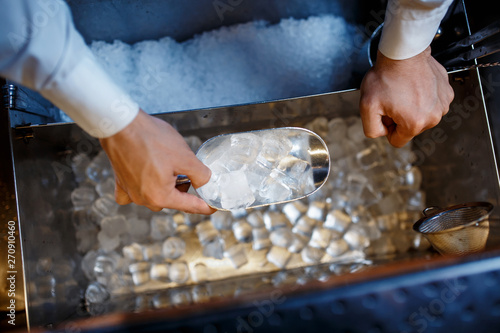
x=430, y=209
x=182, y=183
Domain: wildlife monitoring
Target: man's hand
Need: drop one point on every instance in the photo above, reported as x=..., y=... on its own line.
x=402, y=98
x=146, y=157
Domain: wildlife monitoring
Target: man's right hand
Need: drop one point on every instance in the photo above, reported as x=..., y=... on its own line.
x=146, y=157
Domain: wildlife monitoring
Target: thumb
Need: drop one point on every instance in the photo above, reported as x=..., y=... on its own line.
x=198, y=173
x=399, y=137
x=121, y=197
x=373, y=123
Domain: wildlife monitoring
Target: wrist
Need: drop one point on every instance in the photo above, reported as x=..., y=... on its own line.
x=383, y=61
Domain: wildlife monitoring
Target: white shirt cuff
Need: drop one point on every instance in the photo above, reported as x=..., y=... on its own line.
x=88, y=96
x=410, y=26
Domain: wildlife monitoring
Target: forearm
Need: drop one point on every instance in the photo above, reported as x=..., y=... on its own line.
x=41, y=49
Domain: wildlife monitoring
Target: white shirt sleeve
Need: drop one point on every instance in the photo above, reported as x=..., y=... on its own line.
x=410, y=26
x=41, y=49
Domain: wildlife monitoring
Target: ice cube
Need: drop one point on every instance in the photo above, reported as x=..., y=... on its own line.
x=173, y=247
x=159, y=271
x=274, y=220
x=389, y=204
x=294, y=210
x=180, y=223
x=337, y=220
x=86, y=238
x=114, y=225
x=387, y=222
x=214, y=249
x=162, y=226
x=199, y=273
x=120, y=282
x=103, y=268
x=305, y=226
x=256, y=219
x=237, y=255
x=416, y=201
x=370, y=157
x=319, y=126
x=337, y=248
x=82, y=196
x=273, y=189
x=102, y=207
x=79, y=164
x=152, y=252
x=242, y=231
x=260, y=239
x=99, y=168
x=411, y=179
x=106, y=242
x=356, y=239
x=235, y=191
x=133, y=252
x=321, y=237
x=337, y=130
x=206, y=232
x=278, y=256
x=298, y=170
x=96, y=293
x=244, y=148
x=317, y=210
x=179, y=272
x=275, y=146
x=355, y=131
x=140, y=277
x=221, y=220
x=256, y=174
x=137, y=228
x=298, y=243
x=88, y=263
x=141, y=266
x=312, y=255
x=281, y=237
x=193, y=219
x=106, y=187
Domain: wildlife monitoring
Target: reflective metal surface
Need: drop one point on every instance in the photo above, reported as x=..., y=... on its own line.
x=457, y=164
x=306, y=146
x=456, y=159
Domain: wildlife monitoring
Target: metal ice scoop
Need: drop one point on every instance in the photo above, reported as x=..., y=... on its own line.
x=264, y=167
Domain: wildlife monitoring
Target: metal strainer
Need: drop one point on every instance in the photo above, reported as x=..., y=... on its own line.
x=456, y=230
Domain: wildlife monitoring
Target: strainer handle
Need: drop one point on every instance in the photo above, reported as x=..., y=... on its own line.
x=430, y=209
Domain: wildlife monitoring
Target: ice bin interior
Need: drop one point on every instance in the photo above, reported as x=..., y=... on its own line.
x=360, y=220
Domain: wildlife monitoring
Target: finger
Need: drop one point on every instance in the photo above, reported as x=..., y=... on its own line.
x=399, y=137
x=373, y=123
x=154, y=208
x=188, y=203
x=198, y=173
x=121, y=197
